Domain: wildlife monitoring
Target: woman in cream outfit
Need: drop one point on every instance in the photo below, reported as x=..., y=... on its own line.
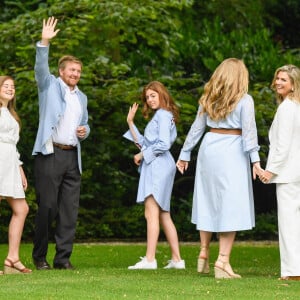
x=283, y=167
x=13, y=181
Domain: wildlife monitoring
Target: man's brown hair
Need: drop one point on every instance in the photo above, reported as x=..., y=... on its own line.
x=68, y=58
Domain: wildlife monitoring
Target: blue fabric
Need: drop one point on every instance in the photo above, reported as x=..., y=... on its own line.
x=52, y=104
x=223, y=194
x=157, y=169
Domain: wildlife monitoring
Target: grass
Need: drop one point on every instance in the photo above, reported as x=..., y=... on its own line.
x=101, y=273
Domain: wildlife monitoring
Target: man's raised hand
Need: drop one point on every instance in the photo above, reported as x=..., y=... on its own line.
x=49, y=31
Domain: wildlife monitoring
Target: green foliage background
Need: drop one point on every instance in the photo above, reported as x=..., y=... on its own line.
x=125, y=44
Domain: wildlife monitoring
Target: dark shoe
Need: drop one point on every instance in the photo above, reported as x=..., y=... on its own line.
x=41, y=265
x=63, y=266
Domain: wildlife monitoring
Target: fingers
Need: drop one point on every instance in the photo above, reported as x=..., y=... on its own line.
x=182, y=166
x=265, y=177
x=138, y=158
x=134, y=107
x=51, y=22
x=81, y=131
x=49, y=27
x=256, y=172
x=132, y=111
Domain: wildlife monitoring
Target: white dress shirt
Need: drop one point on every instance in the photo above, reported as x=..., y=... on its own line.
x=65, y=131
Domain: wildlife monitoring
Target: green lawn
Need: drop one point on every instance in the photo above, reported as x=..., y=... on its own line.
x=101, y=273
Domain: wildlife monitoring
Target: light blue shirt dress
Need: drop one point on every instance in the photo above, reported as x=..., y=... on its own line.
x=157, y=169
x=223, y=194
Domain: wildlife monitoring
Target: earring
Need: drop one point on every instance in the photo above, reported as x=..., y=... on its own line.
x=292, y=90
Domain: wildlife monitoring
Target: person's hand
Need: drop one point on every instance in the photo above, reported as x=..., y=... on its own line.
x=138, y=158
x=266, y=176
x=182, y=166
x=49, y=31
x=131, y=113
x=256, y=170
x=81, y=132
x=24, y=179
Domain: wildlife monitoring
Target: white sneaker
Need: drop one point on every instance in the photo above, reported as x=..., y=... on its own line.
x=144, y=264
x=175, y=264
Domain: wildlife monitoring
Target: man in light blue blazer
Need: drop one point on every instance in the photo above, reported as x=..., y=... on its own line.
x=63, y=124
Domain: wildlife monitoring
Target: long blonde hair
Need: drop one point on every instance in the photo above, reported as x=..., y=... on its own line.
x=11, y=106
x=226, y=87
x=165, y=99
x=294, y=74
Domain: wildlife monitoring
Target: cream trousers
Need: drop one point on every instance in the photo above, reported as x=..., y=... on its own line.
x=288, y=201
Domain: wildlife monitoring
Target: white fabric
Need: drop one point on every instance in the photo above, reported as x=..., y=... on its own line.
x=288, y=199
x=65, y=132
x=284, y=136
x=10, y=175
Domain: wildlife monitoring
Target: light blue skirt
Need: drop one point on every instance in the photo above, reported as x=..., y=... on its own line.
x=223, y=194
x=156, y=179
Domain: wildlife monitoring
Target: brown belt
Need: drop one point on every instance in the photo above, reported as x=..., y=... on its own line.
x=226, y=131
x=64, y=147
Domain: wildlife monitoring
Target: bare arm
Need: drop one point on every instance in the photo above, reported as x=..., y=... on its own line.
x=130, y=120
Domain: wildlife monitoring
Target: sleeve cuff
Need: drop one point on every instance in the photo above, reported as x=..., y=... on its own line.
x=39, y=44
x=186, y=156
x=254, y=157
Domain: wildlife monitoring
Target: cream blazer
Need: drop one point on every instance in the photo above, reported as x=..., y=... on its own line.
x=284, y=135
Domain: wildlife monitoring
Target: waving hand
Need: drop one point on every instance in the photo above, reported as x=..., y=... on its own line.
x=49, y=31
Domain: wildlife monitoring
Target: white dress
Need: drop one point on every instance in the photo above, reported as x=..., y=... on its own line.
x=10, y=175
x=223, y=195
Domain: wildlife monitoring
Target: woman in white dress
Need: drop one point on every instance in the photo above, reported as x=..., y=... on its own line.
x=157, y=170
x=13, y=181
x=223, y=195
x=283, y=167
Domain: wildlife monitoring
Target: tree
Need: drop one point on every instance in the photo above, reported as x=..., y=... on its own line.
x=124, y=45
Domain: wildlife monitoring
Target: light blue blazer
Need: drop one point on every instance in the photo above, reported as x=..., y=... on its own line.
x=52, y=104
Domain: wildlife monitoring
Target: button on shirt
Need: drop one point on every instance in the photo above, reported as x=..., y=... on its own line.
x=65, y=131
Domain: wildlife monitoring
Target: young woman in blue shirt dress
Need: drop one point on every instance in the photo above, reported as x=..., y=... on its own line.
x=223, y=195
x=157, y=170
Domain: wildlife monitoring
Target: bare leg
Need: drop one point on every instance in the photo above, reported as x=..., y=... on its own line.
x=152, y=218
x=226, y=240
x=205, y=238
x=171, y=234
x=19, y=212
x=202, y=263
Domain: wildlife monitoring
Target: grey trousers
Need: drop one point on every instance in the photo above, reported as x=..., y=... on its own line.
x=57, y=186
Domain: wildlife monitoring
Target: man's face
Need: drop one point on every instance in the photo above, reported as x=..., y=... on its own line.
x=70, y=74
